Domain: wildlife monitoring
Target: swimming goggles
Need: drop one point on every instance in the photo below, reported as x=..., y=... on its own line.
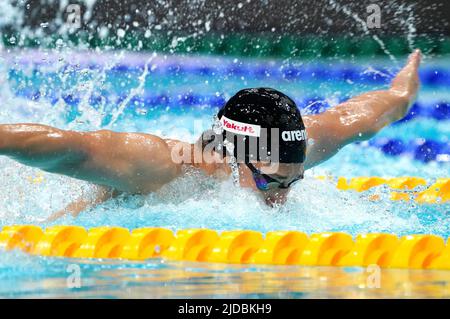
x=264, y=182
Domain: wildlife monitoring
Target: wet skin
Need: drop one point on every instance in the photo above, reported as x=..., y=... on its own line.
x=142, y=163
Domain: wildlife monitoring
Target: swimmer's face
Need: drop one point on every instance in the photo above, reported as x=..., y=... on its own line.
x=287, y=174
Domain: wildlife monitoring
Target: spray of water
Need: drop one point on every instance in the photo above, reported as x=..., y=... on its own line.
x=411, y=28
x=138, y=90
x=364, y=27
x=89, y=117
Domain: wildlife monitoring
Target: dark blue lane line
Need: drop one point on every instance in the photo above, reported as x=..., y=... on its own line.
x=312, y=105
x=423, y=150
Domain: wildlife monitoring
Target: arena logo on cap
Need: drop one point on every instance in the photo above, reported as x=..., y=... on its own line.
x=240, y=128
x=291, y=136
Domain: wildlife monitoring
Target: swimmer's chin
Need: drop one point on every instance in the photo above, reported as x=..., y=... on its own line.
x=273, y=200
x=274, y=203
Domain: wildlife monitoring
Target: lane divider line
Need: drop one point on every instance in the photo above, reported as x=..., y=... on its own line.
x=231, y=247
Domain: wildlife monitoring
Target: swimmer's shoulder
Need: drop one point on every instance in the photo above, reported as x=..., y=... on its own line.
x=183, y=153
x=179, y=149
x=171, y=143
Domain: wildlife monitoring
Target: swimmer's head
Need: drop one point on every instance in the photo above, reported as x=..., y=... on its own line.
x=263, y=129
x=263, y=124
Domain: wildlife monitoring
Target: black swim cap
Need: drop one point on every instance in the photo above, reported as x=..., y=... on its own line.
x=267, y=118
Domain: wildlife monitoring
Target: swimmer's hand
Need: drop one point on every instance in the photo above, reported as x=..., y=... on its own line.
x=100, y=195
x=406, y=83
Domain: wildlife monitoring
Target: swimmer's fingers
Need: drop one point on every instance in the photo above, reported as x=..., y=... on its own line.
x=414, y=59
x=54, y=216
x=98, y=195
x=412, y=65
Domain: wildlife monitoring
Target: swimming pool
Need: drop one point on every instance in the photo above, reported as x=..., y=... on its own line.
x=177, y=97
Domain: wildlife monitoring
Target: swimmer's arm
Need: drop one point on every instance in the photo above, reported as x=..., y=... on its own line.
x=129, y=162
x=361, y=117
x=100, y=195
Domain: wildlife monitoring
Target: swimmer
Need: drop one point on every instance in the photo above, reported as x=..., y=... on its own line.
x=260, y=129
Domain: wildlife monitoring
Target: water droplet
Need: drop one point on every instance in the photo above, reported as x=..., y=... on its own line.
x=120, y=33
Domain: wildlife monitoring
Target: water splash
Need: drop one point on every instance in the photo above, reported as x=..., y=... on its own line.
x=138, y=90
x=364, y=27
x=231, y=160
x=89, y=117
x=411, y=27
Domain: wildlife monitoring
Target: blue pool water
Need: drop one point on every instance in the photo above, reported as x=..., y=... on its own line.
x=177, y=97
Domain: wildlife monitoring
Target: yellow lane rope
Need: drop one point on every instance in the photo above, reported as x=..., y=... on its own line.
x=245, y=246
x=402, y=188
x=234, y=247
